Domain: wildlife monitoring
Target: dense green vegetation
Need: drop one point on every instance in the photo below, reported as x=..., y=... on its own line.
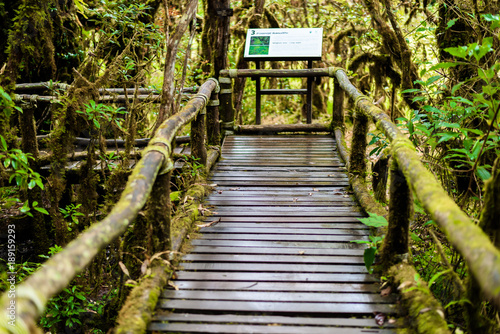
x=432, y=66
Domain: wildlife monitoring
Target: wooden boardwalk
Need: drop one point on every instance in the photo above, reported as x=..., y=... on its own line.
x=278, y=258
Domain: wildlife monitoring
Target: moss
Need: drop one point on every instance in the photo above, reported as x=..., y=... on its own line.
x=137, y=311
x=424, y=313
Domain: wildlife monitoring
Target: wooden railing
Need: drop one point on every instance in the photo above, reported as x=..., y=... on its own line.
x=409, y=177
x=32, y=295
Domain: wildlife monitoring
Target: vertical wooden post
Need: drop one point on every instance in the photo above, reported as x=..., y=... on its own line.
x=158, y=215
x=379, y=178
x=309, y=96
x=400, y=214
x=338, y=105
x=358, y=145
x=226, y=104
x=198, y=148
x=213, y=124
x=258, y=97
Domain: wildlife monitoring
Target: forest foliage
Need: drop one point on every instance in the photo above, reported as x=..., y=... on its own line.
x=432, y=66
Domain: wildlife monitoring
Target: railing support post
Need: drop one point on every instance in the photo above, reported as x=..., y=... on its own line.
x=213, y=123
x=159, y=214
x=226, y=104
x=338, y=106
x=198, y=148
x=400, y=213
x=379, y=179
x=358, y=146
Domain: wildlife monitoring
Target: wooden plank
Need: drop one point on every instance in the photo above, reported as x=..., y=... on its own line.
x=267, y=296
x=275, y=277
x=329, y=287
x=231, y=328
x=357, y=228
x=277, y=251
x=283, y=237
x=279, y=169
x=299, y=219
x=311, y=211
x=239, y=178
x=274, y=267
x=295, y=258
x=275, y=230
x=284, y=190
x=283, y=214
x=280, y=164
x=291, y=174
x=277, y=244
x=289, y=203
x=272, y=319
x=287, y=307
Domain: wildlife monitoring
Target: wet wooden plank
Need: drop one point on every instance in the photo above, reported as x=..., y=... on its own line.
x=283, y=237
x=328, y=287
x=271, y=244
x=299, y=219
x=273, y=319
x=274, y=267
x=283, y=214
x=275, y=277
x=295, y=258
x=287, y=307
x=369, y=298
x=290, y=203
x=310, y=227
x=291, y=174
x=235, y=249
x=218, y=229
x=315, y=210
x=270, y=329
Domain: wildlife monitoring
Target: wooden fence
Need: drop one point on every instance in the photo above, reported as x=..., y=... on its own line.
x=32, y=295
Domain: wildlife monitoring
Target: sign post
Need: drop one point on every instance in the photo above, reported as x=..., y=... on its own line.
x=284, y=44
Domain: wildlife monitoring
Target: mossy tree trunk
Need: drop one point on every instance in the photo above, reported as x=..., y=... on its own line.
x=254, y=21
x=173, y=41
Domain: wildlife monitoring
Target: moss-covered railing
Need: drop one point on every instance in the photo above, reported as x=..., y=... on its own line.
x=150, y=176
x=409, y=177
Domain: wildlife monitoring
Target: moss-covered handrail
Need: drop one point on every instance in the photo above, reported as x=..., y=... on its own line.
x=482, y=257
x=32, y=295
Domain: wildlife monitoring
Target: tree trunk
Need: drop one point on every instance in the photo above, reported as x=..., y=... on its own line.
x=173, y=41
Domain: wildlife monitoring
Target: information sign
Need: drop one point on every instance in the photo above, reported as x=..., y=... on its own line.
x=284, y=44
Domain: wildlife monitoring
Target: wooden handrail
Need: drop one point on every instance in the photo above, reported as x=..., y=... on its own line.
x=482, y=257
x=57, y=272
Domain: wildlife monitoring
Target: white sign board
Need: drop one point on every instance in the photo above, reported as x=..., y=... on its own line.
x=298, y=43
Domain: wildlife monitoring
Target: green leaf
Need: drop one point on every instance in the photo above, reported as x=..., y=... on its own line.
x=451, y=23
x=4, y=143
x=436, y=276
x=432, y=79
x=443, y=65
x=456, y=87
x=25, y=208
x=374, y=220
x=447, y=136
x=460, y=52
x=483, y=173
x=412, y=90
x=42, y=210
x=415, y=237
x=369, y=257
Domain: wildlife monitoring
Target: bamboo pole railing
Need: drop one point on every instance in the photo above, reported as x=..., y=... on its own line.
x=32, y=295
x=481, y=255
